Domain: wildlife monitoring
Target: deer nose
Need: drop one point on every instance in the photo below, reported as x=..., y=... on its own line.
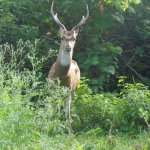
x=68, y=48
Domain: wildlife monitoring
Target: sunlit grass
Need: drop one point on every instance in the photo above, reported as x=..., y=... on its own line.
x=29, y=121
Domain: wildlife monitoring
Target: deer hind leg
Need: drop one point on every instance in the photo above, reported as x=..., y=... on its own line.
x=68, y=119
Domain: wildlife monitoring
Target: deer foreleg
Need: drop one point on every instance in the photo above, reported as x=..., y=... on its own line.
x=68, y=103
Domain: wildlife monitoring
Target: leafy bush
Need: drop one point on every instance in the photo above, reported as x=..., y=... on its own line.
x=27, y=111
x=95, y=111
x=108, y=37
x=134, y=41
x=135, y=105
x=28, y=20
x=98, y=63
x=127, y=111
x=31, y=119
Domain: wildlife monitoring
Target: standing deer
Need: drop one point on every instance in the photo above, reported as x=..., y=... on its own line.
x=65, y=68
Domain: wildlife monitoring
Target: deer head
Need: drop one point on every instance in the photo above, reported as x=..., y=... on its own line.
x=68, y=38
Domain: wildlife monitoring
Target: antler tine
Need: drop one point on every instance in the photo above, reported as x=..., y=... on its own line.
x=56, y=18
x=83, y=19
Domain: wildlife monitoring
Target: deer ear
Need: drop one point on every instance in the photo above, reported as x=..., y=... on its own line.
x=61, y=31
x=76, y=30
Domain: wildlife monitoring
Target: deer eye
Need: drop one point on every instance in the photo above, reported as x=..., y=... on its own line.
x=74, y=39
x=62, y=38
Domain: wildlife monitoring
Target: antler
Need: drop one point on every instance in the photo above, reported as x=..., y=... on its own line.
x=56, y=18
x=83, y=19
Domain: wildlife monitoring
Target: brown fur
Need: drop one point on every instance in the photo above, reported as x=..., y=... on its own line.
x=68, y=75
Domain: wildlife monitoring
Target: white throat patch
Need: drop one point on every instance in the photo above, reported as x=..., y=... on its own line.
x=65, y=58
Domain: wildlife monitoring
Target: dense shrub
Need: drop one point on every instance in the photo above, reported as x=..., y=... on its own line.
x=27, y=110
x=125, y=111
x=30, y=111
x=135, y=105
x=107, y=33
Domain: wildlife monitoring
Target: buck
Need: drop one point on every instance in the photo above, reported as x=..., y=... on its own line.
x=65, y=68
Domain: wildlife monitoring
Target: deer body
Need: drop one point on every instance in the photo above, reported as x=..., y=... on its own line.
x=69, y=77
x=65, y=68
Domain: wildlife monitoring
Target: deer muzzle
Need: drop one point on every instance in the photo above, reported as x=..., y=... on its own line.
x=68, y=48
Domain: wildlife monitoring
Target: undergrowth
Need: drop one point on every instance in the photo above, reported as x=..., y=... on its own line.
x=31, y=116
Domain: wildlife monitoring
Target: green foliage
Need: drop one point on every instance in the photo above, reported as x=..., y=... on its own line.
x=27, y=20
x=127, y=111
x=135, y=42
x=26, y=109
x=99, y=63
x=12, y=25
x=107, y=36
x=31, y=118
x=96, y=111
x=135, y=104
x=31, y=114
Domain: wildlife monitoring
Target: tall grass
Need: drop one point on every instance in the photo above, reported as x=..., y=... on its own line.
x=31, y=118
x=26, y=109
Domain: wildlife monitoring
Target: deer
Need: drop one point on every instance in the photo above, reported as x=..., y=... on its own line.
x=66, y=69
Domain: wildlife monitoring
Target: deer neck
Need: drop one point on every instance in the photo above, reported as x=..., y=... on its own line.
x=63, y=62
x=65, y=58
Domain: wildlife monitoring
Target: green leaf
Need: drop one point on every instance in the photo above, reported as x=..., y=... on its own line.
x=108, y=69
x=94, y=62
x=119, y=49
x=130, y=9
x=94, y=40
x=95, y=58
x=110, y=46
x=87, y=61
x=105, y=21
x=96, y=47
x=94, y=82
x=119, y=17
x=105, y=59
x=136, y=1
